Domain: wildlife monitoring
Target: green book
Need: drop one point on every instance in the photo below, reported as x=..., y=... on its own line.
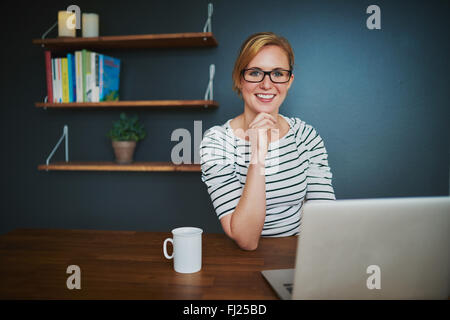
x=86, y=63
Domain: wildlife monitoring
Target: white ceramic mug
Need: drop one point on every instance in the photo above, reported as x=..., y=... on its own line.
x=187, y=249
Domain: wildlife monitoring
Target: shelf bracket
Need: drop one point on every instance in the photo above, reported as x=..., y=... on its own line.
x=64, y=136
x=209, y=94
x=208, y=24
x=48, y=31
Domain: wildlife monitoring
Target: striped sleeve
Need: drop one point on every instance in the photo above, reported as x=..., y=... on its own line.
x=318, y=173
x=218, y=171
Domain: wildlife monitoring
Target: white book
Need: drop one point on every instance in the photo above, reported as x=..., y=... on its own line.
x=58, y=84
x=94, y=78
x=79, y=75
x=88, y=87
x=56, y=92
x=97, y=81
x=60, y=80
x=53, y=80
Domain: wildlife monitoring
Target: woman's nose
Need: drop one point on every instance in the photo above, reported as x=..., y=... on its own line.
x=266, y=83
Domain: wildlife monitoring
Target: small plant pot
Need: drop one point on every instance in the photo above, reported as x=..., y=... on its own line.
x=124, y=151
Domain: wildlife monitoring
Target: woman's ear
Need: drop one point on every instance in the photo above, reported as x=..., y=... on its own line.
x=290, y=81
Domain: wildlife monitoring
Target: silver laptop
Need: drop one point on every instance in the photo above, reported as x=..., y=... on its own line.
x=395, y=248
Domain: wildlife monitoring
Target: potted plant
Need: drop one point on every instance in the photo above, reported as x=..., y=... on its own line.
x=124, y=135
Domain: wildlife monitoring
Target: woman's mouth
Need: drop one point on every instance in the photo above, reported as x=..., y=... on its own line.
x=263, y=97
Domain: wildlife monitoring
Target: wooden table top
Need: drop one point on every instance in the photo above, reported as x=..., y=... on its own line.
x=131, y=265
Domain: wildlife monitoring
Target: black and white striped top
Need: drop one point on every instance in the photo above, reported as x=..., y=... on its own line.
x=296, y=170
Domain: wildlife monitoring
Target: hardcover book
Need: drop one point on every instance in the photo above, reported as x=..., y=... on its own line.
x=109, y=76
x=65, y=80
x=79, y=76
x=49, y=75
x=71, y=69
x=86, y=62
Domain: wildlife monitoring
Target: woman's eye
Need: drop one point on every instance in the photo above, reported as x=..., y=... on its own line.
x=277, y=73
x=255, y=73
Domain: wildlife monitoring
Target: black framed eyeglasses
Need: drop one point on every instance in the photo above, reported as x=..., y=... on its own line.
x=255, y=75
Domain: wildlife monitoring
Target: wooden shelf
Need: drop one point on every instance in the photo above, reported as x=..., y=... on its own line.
x=209, y=104
x=173, y=40
x=168, y=40
x=112, y=166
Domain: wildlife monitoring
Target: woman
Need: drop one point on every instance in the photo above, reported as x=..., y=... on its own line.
x=261, y=166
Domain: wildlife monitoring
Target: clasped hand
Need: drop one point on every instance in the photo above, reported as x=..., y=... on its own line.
x=260, y=133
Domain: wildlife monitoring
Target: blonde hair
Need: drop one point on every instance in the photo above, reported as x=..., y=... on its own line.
x=251, y=47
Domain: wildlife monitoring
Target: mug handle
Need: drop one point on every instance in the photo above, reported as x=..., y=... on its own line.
x=165, y=248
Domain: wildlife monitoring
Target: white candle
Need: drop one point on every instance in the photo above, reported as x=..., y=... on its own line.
x=66, y=24
x=90, y=25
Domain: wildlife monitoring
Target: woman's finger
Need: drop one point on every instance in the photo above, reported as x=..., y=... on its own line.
x=261, y=123
x=261, y=116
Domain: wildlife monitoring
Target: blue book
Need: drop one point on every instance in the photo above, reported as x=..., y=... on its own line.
x=109, y=74
x=74, y=79
x=71, y=71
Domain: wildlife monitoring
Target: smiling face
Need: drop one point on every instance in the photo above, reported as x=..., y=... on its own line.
x=266, y=96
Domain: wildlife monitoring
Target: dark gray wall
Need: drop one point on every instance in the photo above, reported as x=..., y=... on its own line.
x=379, y=99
